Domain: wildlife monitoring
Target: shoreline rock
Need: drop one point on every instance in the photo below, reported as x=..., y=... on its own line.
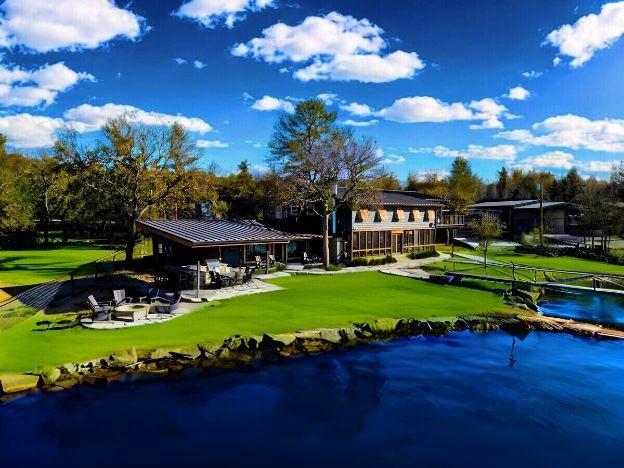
x=239, y=350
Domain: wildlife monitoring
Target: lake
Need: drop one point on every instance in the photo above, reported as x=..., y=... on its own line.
x=605, y=309
x=466, y=399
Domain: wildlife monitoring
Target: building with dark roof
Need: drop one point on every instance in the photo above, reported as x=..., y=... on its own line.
x=235, y=242
x=386, y=222
x=523, y=216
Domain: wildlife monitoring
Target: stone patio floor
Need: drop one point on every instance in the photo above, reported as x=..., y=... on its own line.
x=190, y=302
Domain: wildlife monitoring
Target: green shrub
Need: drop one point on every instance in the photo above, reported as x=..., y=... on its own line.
x=360, y=261
x=334, y=267
x=423, y=254
x=390, y=259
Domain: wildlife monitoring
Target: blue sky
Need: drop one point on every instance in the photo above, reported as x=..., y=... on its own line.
x=433, y=79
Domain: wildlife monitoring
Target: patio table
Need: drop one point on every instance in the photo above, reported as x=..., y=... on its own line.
x=133, y=311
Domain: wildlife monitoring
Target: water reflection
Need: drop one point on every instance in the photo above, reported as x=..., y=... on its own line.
x=462, y=400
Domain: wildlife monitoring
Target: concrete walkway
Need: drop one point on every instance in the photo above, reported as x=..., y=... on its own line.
x=402, y=265
x=191, y=304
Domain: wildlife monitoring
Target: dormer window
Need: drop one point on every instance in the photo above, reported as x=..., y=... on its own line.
x=399, y=215
x=381, y=215
x=362, y=216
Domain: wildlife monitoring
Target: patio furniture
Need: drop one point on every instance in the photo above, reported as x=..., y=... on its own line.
x=238, y=278
x=248, y=274
x=132, y=311
x=258, y=261
x=100, y=308
x=271, y=260
x=120, y=298
x=147, y=297
x=166, y=306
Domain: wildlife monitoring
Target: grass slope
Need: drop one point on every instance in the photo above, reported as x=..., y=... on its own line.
x=305, y=302
x=24, y=267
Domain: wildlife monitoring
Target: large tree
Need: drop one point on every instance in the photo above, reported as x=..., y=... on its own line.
x=315, y=157
x=138, y=167
x=464, y=186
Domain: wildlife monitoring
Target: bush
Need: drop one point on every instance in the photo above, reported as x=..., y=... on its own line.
x=422, y=254
x=334, y=267
x=360, y=261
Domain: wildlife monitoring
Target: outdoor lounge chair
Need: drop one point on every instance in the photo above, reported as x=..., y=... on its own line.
x=100, y=308
x=120, y=298
x=166, y=306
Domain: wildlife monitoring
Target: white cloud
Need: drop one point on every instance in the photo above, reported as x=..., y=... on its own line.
x=199, y=65
x=425, y=109
x=212, y=144
x=359, y=123
x=532, y=74
x=88, y=118
x=179, y=60
x=429, y=109
x=393, y=159
x=553, y=159
x=44, y=25
x=557, y=61
x=327, y=98
x=365, y=68
x=335, y=47
x=29, y=131
x=270, y=103
x=27, y=88
x=500, y=152
x=424, y=174
x=357, y=109
x=518, y=93
x=590, y=33
x=574, y=132
x=562, y=160
x=210, y=13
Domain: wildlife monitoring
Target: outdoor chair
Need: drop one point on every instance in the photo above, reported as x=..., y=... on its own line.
x=100, y=308
x=258, y=261
x=239, y=278
x=271, y=260
x=166, y=306
x=120, y=298
x=146, y=297
x=248, y=274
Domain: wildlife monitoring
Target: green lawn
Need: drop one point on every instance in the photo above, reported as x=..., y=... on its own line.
x=554, y=263
x=24, y=267
x=306, y=302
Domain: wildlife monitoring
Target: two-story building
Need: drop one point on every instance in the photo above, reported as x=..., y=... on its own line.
x=385, y=223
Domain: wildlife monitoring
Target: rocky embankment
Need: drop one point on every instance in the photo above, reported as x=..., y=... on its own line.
x=240, y=350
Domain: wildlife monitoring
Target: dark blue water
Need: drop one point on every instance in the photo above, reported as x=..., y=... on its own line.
x=598, y=308
x=462, y=400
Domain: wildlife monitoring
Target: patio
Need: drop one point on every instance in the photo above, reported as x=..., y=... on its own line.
x=190, y=302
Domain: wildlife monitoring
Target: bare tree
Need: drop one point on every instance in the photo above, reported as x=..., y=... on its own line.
x=315, y=158
x=138, y=167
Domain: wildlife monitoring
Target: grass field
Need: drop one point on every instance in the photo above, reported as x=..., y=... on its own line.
x=305, y=302
x=24, y=267
x=554, y=263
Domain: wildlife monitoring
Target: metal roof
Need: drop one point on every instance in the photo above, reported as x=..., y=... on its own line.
x=209, y=233
x=502, y=204
x=546, y=204
x=402, y=198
